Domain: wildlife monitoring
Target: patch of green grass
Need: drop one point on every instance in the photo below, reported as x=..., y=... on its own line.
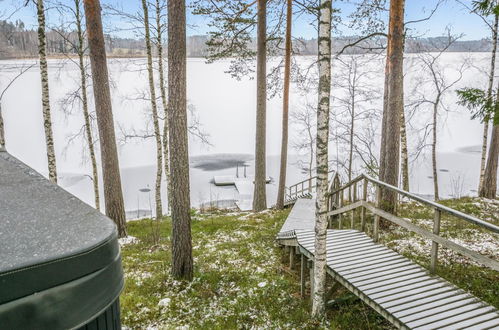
x=241, y=280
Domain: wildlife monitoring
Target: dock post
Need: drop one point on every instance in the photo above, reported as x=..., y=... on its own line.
x=291, y=257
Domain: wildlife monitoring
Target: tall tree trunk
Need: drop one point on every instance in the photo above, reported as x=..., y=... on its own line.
x=154, y=109
x=164, y=101
x=434, y=149
x=259, y=195
x=84, y=98
x=47, y=122
x=318, y=299
x=182, y=264
x=489, y=95
x=285, y=107
x=489, y=189
x=2, y=130
x=404, y=156
x=113, y=195
x=395, y=104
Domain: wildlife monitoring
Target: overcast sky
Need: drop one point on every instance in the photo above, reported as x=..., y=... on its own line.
x=449, y=14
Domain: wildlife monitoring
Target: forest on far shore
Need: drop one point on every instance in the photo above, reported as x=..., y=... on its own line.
x=19, y=41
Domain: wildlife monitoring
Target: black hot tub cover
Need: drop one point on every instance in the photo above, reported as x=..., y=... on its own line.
x=60, y=263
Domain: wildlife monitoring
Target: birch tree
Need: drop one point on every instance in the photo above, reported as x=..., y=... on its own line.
x=47, y=121
x=162, y=88
x=285, y=106
x=154, y=110
x=182, y=263
x=318, y=295
x=113, y=195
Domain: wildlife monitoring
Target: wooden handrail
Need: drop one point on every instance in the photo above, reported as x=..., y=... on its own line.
x=443, y=208
x=336, y=208
x=308, y=188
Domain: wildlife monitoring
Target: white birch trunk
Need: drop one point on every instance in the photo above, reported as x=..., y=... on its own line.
x=404, y=153
x=166, y=152
x=318, y=294
x=47, y=122
x=155, y=119
x=84, y=98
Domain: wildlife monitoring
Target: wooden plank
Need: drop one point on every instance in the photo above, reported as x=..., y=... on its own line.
x=368, y=263
x=337, y=242
x=347, y=237
x=367, y=260
x=381, y=299
x=409, y=288
x=429, y=303
x=393, y=282
x=490, y=324
x=399, y=262
x=382, y=270
x=386, y=276
x=356, y=252
x=416, y=298
x=356, y=257
x=339, y=247
x=443, y=307
x=450, y=317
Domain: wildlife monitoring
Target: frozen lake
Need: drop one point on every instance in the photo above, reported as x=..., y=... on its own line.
x=225, y=108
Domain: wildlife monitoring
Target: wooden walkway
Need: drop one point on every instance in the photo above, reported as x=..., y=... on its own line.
x=399, y=289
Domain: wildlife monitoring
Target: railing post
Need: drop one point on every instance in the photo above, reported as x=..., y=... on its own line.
x=434, y=245
x=340, y=216
x=376, y=217
x=363, y=209
x=352, y=216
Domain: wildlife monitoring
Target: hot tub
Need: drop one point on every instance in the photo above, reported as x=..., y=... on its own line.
x=60, y=264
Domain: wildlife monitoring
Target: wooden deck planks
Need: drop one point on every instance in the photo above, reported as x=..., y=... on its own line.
x=402, y=291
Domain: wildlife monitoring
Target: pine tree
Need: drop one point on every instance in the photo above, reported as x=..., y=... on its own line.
x=182, y=263
x=285, y=107
x=394, y=98
x=113, y=195
x=259, y=194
